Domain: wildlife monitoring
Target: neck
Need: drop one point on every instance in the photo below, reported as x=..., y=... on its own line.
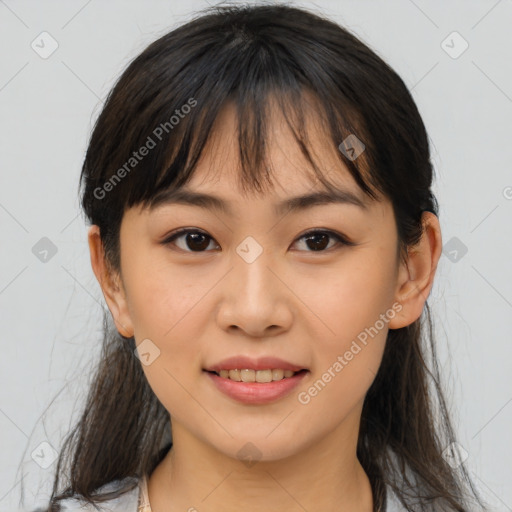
x=325, y=476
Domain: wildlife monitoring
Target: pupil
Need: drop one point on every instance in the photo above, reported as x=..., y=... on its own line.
x=194, y=237
x=318, y=246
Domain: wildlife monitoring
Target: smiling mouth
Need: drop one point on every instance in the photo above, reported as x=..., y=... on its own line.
x=261, y=376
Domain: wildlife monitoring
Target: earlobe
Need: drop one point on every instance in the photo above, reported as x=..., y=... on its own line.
x=416, y=274
x=110, y=284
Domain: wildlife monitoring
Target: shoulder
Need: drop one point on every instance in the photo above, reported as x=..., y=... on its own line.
x=126, y=502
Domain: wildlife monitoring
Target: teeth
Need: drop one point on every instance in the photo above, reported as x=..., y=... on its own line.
x=277, y=374
x=232, y=374
x=248, y=375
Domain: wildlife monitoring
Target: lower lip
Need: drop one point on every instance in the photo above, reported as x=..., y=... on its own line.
x=257, y=392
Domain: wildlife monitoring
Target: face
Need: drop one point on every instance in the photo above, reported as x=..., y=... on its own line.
x=315, y=287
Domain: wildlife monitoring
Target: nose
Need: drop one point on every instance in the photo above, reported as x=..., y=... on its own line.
x=254, y=298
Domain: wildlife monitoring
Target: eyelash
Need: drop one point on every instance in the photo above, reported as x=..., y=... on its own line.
x=339, y=238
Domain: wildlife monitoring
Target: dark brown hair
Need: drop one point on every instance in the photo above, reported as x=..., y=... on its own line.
x=167, y=100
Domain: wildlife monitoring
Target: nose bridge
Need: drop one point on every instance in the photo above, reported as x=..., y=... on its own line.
x=252, y=298
x=253, y=280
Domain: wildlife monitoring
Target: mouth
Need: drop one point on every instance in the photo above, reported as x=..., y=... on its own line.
x=258, y=376
x=256, y=387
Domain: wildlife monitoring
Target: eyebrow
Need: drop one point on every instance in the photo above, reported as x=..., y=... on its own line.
x=302, y=202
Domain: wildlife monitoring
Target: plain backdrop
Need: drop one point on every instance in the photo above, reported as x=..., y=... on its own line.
x=59, y=60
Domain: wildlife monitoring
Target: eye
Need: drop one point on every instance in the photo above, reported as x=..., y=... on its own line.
x=195, y=240
x=318, y=240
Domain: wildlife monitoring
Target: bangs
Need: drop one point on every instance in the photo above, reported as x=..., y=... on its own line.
x=255, y=111
x=157, y=138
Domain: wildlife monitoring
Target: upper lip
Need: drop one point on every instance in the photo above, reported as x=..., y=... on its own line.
x=261, y=363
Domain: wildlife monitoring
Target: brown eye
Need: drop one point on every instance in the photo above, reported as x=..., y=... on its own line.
x=193, y=240
x=318, y=241
x=198, y=241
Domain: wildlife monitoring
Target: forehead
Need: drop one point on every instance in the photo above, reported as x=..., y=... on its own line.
x=289, y=171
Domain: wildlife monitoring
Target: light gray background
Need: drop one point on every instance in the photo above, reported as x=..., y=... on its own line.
x=51, y=312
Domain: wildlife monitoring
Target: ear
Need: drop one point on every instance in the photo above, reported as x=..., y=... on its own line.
x=416, y=274
x=110, y=283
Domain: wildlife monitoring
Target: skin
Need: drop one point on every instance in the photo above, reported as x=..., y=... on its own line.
x=291, y=302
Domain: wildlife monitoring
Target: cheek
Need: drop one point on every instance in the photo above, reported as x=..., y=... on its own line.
x=348, y=298
x=354, y=306
x=167, y=307
x=344, y=363
x=160, y=296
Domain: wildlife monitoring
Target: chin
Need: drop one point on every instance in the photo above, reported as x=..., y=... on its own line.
x=263, y=449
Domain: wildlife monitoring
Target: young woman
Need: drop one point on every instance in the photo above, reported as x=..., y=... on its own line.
x=264, y=232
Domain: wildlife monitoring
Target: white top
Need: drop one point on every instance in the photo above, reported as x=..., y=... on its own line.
x=137, y=500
